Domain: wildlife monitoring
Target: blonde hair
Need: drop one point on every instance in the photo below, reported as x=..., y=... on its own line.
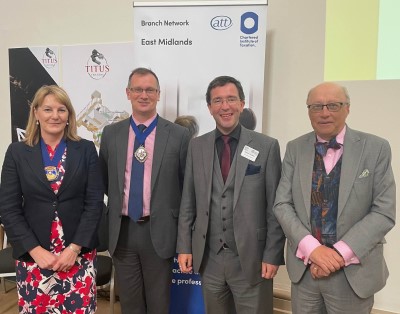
x=32, y=132
x=190, y=123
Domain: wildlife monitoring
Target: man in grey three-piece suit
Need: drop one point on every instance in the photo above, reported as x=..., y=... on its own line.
x=143, y=208
x=335, y=202
x=227, y=230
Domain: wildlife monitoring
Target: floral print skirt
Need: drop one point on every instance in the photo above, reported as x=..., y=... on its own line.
x=46, y=291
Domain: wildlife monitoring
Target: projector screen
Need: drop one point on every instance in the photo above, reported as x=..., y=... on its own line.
x=362, y=40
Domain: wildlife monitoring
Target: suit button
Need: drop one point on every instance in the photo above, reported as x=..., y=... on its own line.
x=204, y=236
x=54, y=204
x=223, y=207
x=223, y=219
x=220, y=240
x=224, y=229
x=223, y=196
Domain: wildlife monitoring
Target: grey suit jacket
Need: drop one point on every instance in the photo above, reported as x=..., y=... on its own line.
x=170, y=149
x=366, y=208
x=257, y=233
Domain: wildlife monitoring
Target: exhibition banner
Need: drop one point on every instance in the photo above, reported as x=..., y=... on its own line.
x=29, y=69
x=95, y=77
x=188, y=44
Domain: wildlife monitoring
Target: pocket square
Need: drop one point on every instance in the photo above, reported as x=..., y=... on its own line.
x=364, y=174
x=252, y=169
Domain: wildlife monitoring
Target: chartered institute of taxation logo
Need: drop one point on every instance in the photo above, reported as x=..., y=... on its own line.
x=249, y=23
x=49, y=58
x=249, y=29
x=221, y=22
x=97, y=66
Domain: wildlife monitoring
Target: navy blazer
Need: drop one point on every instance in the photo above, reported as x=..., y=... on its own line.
x=27, y=201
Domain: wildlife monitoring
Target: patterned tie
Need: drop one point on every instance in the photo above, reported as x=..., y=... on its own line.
x=225, y=157
x=135, y=205
x=322, y=147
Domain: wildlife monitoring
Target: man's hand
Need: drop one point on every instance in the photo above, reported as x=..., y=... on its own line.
x=327, y=259
x=317, y=272
x=268, y=271
x=185, y=262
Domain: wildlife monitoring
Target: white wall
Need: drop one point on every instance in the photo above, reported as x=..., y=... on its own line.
x=295, y=63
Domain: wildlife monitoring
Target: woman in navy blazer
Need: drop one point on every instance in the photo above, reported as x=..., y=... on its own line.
x=51, y=200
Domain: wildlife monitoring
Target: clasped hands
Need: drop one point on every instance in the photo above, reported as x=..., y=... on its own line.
x=324, y=262
x=48, y=260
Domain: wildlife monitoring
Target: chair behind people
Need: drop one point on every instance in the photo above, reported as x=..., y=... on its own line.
x=105, y=268
x=7, y=263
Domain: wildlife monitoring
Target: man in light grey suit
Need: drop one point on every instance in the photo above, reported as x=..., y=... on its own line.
x=335, y=202
x=227, y=230
x=143, y=208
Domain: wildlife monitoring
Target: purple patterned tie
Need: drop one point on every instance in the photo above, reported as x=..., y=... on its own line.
x=322, y=147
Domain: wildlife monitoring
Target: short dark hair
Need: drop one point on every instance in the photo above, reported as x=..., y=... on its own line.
x=143, y=71
x=222, y=81
x=248, y=119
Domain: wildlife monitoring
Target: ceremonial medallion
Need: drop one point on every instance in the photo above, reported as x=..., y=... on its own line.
x=141, y=154
x=51, y=173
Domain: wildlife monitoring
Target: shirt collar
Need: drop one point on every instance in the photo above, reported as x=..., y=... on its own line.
x=147, y=122
x=339, y=137
x=234, y=134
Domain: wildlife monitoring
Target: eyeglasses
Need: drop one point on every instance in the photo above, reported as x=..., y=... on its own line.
x=229, y=100
x=332, y=107
x=148, y=91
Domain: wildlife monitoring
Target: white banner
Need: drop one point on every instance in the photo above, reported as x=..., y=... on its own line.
x=189, y=44
x=95, y=77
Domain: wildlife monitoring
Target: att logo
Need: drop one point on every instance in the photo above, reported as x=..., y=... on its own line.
x=221, y=23
x=97, y=66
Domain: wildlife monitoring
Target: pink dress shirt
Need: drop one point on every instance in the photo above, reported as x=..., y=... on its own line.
x=149, y=145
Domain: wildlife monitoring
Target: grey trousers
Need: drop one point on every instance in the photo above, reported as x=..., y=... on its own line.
x=331, y=295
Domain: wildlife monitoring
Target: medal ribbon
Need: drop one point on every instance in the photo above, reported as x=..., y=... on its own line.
x=141, y=136
x=59, y=151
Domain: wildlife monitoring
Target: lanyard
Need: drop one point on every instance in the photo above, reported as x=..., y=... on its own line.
x=50, y=165
x=141, y=136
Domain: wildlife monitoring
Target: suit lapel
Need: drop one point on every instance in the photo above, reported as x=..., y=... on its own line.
x=35, y=162
x=208, y=151
x=241, y=163
x=306, y=164
x=352, y=152
x=160, y=143
x=72, y=162
x=121, y=143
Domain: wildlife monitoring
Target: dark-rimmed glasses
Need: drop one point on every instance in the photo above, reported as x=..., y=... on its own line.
x=332, y=107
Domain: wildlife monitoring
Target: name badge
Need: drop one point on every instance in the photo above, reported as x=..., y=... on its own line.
x=249, y=153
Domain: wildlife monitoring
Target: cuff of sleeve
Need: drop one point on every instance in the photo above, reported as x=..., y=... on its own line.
x=347, y=253
x=306, y=246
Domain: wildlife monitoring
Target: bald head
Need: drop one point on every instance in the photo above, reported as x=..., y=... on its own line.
x=332, y=87
x=328, y=109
